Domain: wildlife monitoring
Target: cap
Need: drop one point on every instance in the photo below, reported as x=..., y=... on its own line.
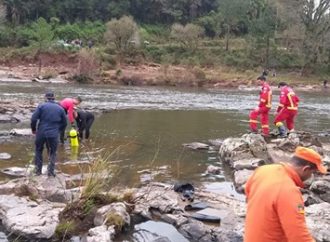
x=282, y=84
x=49, y=95
x=311, y=156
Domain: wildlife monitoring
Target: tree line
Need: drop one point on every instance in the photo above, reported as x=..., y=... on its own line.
x=300, y=29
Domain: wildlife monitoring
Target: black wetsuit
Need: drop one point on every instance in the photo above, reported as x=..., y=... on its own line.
x=84, y=122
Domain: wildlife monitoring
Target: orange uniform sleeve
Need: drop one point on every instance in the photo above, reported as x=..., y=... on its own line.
x=291, y=213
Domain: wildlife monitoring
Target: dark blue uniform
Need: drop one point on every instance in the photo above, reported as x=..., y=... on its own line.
x=51, y=119
x=84, y=122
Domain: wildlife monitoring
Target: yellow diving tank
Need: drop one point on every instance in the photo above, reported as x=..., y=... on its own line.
x=73, y=137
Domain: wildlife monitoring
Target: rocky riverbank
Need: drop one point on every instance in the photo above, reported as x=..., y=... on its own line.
x=38, y=207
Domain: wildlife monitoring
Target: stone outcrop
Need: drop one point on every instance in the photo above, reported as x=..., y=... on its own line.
x=100, y=233
x=113, y=209
x=30, y=219
x=161, y=200
x=43, y=187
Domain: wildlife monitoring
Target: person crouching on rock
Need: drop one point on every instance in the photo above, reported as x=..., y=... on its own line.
x=275, y=206
x=265, y=104
x=46, y=122
x=84, y=120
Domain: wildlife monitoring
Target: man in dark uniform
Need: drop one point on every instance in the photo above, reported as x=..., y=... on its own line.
x=46, y=122
x=84, y=122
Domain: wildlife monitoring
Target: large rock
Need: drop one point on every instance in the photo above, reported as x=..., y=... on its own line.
x=318, y=221
x=114, y=209
x=101, y=233
x=27, y=218
x=156, y=196
x=5, y=156
x=248, y=147
x=241, y=178
x=44, y=187
x=321, y=186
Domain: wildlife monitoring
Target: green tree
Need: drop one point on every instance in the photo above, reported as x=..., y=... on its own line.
x=188, y=35
x=121, y=32
x=315, y=17
x=262, y=26
x=43, y=36
x=231, y=13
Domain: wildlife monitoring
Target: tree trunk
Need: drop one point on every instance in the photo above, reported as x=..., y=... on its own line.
x=267, y=51
x=227, y=38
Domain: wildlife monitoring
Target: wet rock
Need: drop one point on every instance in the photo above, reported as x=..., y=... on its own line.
x=290, y=143
x=156, y=196
x=321, y=186
x=101, y=233
x=318, y=221
x=249, y=146
x=115, y=209
x=4, y=133
x=196, y=231
x=20, y=132
x=3, y=237
x=213, y=170
x=197, y=146
x=43, y=187
x=27, y=218
x=15, y=171
x=6, y=118
x=249, y=164
x=5, y=156
x=161, y=239
x=215, y=142
x=241, y=178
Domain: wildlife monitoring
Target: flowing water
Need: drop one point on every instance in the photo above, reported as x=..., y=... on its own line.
x=146, y=127
x=143, y=128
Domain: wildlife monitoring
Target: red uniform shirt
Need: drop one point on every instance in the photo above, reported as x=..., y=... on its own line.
x=265, y=98
x=68, y=105
x=288, y=99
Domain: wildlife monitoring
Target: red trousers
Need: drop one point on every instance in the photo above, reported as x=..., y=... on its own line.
x=264, y=118
x=288, y=116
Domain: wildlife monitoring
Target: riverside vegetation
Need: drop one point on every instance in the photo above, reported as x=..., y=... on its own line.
x=208, y=41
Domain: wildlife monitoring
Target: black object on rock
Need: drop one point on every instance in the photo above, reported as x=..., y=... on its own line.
x=186, y=189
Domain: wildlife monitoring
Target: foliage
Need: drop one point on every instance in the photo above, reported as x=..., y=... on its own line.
x=42, y=34
x=121, y=32
x=189, y=35
x=65, y=229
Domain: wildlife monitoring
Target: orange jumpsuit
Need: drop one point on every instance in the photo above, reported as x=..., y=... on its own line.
x=265, y=104
x=275, y=207
x=288, y=108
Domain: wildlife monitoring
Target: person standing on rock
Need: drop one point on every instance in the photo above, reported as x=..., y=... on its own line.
x=46, y=122
x=275, y=207
x=84, y=120
x=287, y=109
x=68, y=105
x=265, y=104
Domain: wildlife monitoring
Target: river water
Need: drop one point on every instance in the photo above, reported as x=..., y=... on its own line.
x=143, y=128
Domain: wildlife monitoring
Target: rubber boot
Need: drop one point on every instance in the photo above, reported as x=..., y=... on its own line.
x=282, y=131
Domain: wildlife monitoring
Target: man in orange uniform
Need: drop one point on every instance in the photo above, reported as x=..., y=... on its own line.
x=275, y=207
x=287, y=109
x=265, y=104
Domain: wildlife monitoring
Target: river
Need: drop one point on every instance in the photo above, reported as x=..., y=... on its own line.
x=143, y=128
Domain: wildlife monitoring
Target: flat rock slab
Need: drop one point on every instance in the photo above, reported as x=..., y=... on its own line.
x=5, y=156
x=21, y=132
x=27, y=218
x=197, y=146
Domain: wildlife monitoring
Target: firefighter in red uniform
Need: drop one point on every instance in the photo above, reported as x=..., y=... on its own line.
x=265, y=104
x=287, y=109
